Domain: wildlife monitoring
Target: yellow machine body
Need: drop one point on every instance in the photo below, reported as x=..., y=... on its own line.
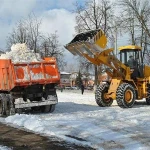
x=92, y=47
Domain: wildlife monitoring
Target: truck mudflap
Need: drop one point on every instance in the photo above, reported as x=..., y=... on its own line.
x=52, y=100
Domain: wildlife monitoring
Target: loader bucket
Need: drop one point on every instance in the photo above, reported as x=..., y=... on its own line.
x=87, y=43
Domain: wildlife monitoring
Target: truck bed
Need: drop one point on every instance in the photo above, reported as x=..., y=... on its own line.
x=24, y=74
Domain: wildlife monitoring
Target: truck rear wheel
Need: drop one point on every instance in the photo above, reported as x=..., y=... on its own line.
x=125, y=95
x=45, y=109
x=9, y=105
x=100, y=96
x=2, y=104
x=48, y=108
x=52, y=108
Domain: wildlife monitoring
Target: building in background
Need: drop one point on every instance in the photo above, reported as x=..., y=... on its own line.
x=65, y=79
x=73, y=78
x=69, y=79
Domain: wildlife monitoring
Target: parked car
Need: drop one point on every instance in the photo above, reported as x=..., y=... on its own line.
x=74, y=88
x=68, y=88
x=71, y=88
x=89, y=87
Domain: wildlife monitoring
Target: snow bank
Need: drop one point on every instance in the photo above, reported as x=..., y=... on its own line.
x=4, y=148
x=78, y=119
x=21, y=53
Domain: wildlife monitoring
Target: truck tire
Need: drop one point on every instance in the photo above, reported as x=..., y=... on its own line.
x=18, y=110
x=100, y=98
x=9, y=105
x=2, y=104
x=148, y=95
x=125, y=95
x=45, y=109
x=52, y=108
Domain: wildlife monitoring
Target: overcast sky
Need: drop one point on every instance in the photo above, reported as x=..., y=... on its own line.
x=56, y=15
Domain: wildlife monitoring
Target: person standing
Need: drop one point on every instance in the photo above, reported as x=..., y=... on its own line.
x=82, y=89
x=132, y=62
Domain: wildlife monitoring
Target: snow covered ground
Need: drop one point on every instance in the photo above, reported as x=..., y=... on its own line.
x=78, y=119
x=4, y=148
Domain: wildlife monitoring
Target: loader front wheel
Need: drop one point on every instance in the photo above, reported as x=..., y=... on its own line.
x=125, y=95
x=100, y=96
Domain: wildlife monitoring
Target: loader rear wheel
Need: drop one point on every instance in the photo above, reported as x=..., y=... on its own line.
x=100, y=96
x=125, y=95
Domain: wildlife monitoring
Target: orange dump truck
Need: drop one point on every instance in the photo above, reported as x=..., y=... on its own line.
x=28, y=85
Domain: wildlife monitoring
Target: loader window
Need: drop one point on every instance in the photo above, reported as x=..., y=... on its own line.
x=125, y=56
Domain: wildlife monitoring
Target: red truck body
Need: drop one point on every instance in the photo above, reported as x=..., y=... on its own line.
x=25, y=74
x=34, y=82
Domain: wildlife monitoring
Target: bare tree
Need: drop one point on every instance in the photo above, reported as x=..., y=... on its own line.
x=26, y=31
x=52, y=48
x=71, y=67
x=34, y=35
x=18, y=35
x=94, y=15
x=137, y=11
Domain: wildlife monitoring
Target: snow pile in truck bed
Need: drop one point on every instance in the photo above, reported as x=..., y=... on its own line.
x=21, y=53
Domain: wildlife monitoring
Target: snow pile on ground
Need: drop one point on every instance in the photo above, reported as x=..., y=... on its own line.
x=21, y=53
x=4, y=148
x=78, y=119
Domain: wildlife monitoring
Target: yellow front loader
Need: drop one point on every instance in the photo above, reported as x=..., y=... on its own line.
x=127, y=84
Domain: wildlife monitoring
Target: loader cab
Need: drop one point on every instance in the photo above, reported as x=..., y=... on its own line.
x=136, y=52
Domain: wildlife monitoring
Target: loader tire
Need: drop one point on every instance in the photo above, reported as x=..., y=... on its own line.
x=148, y=95
x=100, y=98
x=125, y=95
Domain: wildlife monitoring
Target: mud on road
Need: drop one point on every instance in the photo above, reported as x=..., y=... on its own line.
x=22, y=140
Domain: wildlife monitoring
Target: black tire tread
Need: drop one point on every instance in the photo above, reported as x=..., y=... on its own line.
x=120, y=95
x=98, y=95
